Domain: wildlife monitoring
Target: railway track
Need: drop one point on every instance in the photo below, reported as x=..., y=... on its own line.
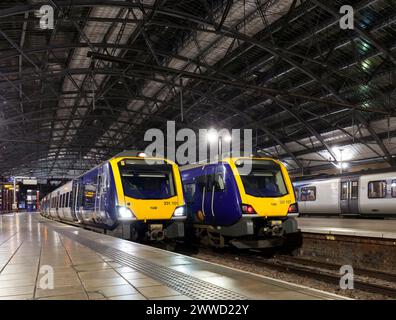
x=365, y=280
x=370, y=281
x=389, y=277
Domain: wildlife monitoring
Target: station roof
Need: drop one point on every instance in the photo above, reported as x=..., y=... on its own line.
x=314, y=94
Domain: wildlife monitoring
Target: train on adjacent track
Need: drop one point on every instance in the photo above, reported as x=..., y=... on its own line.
x=243, y=202
x=370, y=193
x=143, y=196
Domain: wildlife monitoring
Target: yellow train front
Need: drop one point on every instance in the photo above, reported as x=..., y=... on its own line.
x=245, y=202
x=142, y=197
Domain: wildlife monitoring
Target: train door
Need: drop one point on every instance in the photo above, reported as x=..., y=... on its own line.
x=73, y=201
x=349, y=196
x=57, y=203
x=208, y=194
x=101, y=191
x=221, y=201
x=77, y=199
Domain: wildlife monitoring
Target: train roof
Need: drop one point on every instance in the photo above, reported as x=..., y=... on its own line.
x=122, y=154
x=227, y=159
x=345, y=174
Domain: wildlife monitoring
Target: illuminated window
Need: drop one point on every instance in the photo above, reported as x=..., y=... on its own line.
x=354, y=190
x=393, y=188
x=377, y=189
x=308, y=194
x=344, y=190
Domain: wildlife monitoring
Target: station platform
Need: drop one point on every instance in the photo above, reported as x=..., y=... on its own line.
x=89, y=265
x=349, y=227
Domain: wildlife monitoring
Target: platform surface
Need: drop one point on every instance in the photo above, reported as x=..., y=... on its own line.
x=89, y=265
x=353, y=227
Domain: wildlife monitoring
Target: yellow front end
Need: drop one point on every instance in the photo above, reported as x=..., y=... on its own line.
x=149, y=209
x=265, y=206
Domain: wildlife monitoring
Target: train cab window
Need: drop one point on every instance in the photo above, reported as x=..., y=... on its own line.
x=377, y=189
x=143, y=181
x=308, y=194
x=265, y=179
x=393, y=188
x=296, y=194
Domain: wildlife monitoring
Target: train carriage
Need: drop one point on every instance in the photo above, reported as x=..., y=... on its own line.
x=144, y=194
x=370, y=194
x=228, y=206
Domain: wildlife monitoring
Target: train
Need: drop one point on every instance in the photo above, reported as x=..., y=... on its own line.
x=246, y=209
x=142, y=195
x=369, y=193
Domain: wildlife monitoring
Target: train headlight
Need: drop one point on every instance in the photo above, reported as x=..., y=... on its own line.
x=179, y=212
x=125, y=213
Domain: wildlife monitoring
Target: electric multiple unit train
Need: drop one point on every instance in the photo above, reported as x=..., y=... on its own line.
x=230, y=204
x=355, y=194
x=146, y=199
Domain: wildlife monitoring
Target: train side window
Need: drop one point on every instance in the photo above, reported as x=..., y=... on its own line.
x=393, y=188
x=296, y=191
x=89, y=196
x=189, y=192
x=67, y=200
x=308, y=194
x=354, y=189
x=377, y=189
x=344, y=190
x=220, y=183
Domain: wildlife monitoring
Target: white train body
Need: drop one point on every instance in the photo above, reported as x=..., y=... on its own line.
x=371, y=194
x=63, y=210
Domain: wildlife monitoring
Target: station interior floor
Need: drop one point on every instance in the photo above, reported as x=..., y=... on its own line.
x=89, y=265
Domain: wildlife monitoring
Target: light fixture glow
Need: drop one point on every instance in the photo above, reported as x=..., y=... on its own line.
x=342, y=154
x=344, y=165
x=212, y=136
x=227, y=138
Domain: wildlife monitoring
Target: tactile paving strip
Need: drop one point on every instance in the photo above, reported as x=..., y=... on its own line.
x=185, y=284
